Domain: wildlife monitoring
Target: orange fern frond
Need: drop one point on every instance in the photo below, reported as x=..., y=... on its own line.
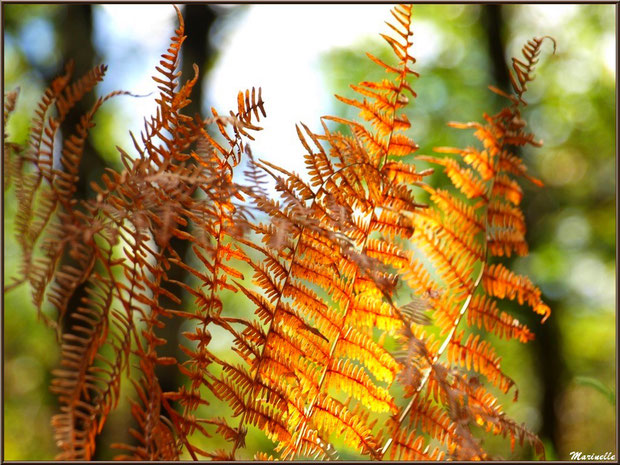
x=484, y=313
x=478, y=355
x=413, y=447
x=457, y=238
x=502, y=283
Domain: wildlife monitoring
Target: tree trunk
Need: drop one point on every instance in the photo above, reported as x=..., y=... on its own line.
x=198, y=22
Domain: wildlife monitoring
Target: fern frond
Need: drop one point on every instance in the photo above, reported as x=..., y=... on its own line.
x=433, y=420
x=523, y=70
x=484, y=313
x=332, y=417
x=478, y=355
x=465, y=180
x=154, y=436
x=411, y=446
x=507, y=188
x=461, y=238
x=502, y=283
x=357, y=345
x=484, y=409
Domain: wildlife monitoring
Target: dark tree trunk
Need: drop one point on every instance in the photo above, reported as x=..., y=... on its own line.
x=198, y=22
x=493, y=21
x=77, y=45
x=196, y=49
x=76, y=26
x=77, y=30
x=553, y=372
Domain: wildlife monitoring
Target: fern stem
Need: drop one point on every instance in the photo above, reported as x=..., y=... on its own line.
x=202, y=348
x=16, y=283
x=443, y=347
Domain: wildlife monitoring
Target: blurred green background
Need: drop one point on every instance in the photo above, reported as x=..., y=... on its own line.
x=566, y=377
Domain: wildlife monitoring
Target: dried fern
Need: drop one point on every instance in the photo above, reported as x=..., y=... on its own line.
x=329, y=261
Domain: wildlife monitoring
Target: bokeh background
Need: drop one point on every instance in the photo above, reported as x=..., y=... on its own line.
x=301, y=55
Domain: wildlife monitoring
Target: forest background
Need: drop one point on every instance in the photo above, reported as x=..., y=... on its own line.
x=566, y=377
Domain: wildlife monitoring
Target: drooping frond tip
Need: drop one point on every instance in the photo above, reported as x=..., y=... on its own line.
x=179, y=17
x=524, y=70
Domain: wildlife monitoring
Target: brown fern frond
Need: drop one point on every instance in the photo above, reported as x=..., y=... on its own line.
x=484, y=409
x=86, y=392
x=30, y=184
x=433, y=420
x=10, y=101
x=155, y=438
x=523, y=69
x=141, y=208
x=76, y=91
x=73, y=147
x=249, y=105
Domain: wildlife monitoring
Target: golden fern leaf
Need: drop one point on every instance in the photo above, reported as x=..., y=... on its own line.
x=484, y=313
x=321, y=216
x=451, y=242
x=411, y=447
x=502, y=283
x=478, y=355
